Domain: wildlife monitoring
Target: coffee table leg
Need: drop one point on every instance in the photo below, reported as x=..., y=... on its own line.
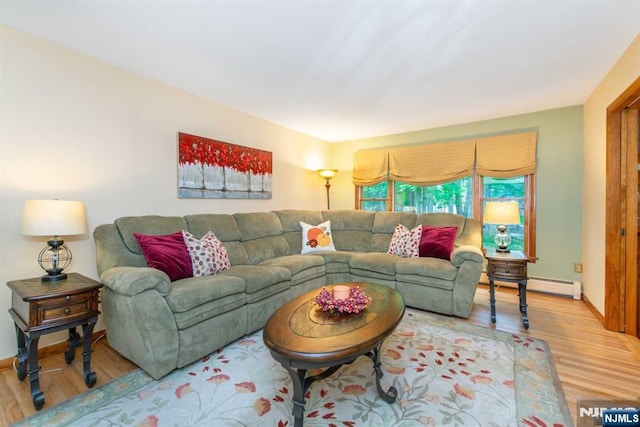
x=298, y=379
x=301, y=384
x=390, y=395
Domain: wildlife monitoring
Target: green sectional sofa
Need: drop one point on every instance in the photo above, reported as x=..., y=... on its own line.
x=162, y=325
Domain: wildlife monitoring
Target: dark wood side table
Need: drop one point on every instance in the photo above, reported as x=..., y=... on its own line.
x=508, y=267
x=39, y=308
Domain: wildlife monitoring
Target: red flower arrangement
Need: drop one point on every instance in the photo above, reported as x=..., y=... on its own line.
x=355, y=304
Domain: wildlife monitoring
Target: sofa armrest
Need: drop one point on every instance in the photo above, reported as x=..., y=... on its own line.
x=466, y=253
x=135, y=280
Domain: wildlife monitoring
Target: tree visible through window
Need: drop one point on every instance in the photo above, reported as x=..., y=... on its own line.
x=374, y=197
x=453, y=197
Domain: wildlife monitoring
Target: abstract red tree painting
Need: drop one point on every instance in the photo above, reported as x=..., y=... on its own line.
x=218, y=170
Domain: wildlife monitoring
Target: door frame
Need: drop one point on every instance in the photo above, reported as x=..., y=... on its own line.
x=621, y=283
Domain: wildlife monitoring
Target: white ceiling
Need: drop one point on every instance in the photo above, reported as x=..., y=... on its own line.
x=347, y=69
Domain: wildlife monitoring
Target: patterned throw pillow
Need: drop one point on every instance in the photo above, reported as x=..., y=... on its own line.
x=208, y=255
x=405, y=242
x=316, y=238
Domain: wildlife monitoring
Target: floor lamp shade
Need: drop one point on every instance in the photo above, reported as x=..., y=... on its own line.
x=53, y=218
x=502, y=213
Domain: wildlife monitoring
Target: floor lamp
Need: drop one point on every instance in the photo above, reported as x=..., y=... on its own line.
x=327, y=174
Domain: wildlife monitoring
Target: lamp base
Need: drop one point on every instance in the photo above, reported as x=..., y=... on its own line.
x=503, y=250
x=48, y=278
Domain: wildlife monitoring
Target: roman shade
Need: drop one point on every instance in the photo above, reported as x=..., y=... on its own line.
x=500, y=156
x=432, y=164
x=370, y=167
x=506, y=156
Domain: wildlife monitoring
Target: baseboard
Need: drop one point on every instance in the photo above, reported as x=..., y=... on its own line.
x=540, y=284
x=593, y=310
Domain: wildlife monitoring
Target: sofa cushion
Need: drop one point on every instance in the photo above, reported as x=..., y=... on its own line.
x=261, y=281
x=437, y=242
x=209, y=310
x=384, y=225
x=302, y=267
x=225, y=228
x=188, y=293
x=261, y=236
x=167, y=253
x=427, y=267
x=385, y=222
x=222, y=225
x=348, y=219
x=380, y=263
x=208, y=255
x=336, y=261
x=255, y=225
x=265, y=248
x=316, y=238
x=351, y=229
x=153, y=225
x=290, y=218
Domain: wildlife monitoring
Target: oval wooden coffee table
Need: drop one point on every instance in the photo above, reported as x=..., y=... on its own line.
x=301, y=337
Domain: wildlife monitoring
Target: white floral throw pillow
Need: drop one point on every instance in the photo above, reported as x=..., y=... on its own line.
x=208, y=255
x=405, y=242
x=316, y=237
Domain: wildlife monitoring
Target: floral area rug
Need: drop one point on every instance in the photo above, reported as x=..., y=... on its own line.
x=447, y=372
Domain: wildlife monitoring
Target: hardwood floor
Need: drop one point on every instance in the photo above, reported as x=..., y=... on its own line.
x=592, y=363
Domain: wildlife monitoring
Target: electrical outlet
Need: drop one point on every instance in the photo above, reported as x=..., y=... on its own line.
x=577, y=267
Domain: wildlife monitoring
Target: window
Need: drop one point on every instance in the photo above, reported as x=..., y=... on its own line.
x=453, y=197
x=373, y=197
x=459, y=197
x=507, y=189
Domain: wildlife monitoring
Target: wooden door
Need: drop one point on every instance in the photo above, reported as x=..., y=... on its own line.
x=622, y=298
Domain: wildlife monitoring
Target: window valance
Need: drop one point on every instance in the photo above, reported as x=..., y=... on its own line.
x=432, y=164
x=370, y=167
x=501, y=156
x=506, y=156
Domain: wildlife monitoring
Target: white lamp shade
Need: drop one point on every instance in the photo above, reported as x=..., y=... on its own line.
x=502, y=213
x=53, y=218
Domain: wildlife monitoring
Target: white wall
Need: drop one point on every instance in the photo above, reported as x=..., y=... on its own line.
x=625, y=72
x=74, y=128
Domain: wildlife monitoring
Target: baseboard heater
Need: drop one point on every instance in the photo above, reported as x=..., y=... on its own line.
x=566, y=288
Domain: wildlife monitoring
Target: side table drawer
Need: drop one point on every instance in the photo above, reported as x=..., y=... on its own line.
x=63, y=308
x=57, y=310
x=507, y=270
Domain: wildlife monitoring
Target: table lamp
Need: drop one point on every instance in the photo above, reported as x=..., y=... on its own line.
x=502, y=213
x=53, y=218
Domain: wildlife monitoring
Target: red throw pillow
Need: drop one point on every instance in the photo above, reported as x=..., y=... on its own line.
x=437, y=242
x=166, y=253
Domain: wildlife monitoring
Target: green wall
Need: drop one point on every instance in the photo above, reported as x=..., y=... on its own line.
x=558, y=184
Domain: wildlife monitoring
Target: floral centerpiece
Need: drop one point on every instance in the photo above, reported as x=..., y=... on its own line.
x=354, y=304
